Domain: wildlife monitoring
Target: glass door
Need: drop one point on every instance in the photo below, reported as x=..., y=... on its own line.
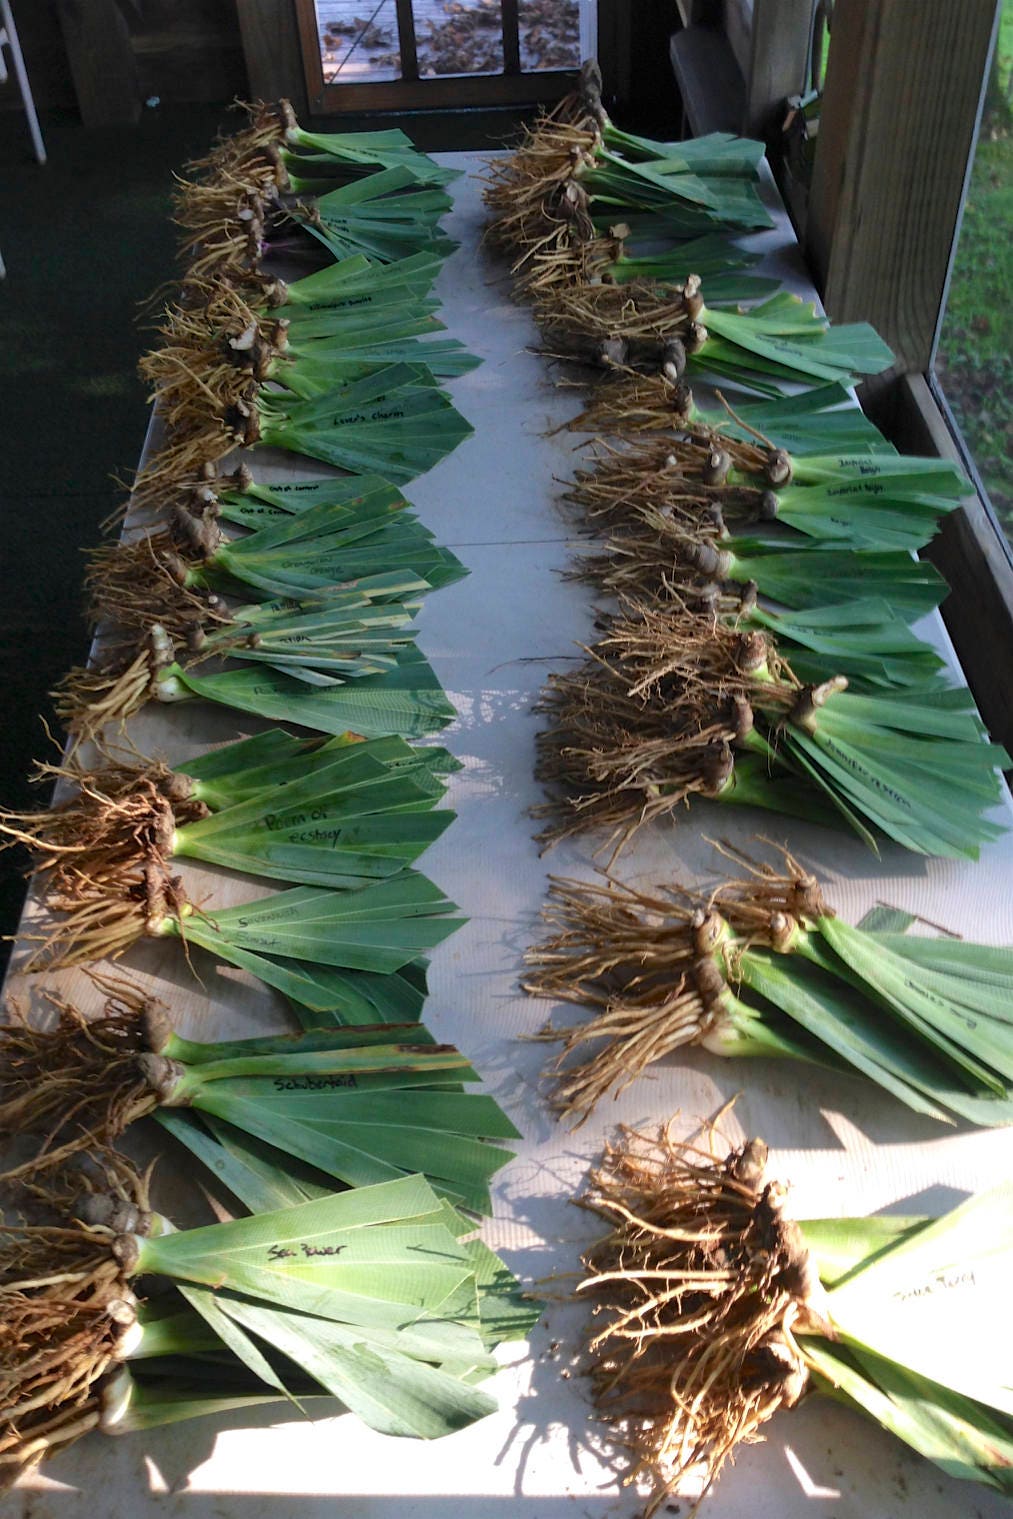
x=406, y=54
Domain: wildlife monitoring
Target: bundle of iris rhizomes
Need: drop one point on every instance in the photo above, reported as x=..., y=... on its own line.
x=71, y=1319
x=326, y=608
x=566, y=201
x=221, y=342
x=762, y=667
x=666, y=331
x=742, y=706
x=565, y=205
x=225, y=378
x=762, y=965
x=712, y=472
x=262, y=189
x=713, y=1309
x=331, y=663
x=307, y=618
x=348, y=375
x=355, y=1105
x=116, y=1321
x=356, y=390
x=342, y=819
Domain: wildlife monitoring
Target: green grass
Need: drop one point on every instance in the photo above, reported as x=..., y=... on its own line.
x=975, y=359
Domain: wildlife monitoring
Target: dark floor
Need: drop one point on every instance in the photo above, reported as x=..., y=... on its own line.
x=85, y=238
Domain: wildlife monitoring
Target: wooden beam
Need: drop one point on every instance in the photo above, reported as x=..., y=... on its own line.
x=407, y=49
x=710, y=84
x=900, y=110
x=511, y=37
x=442, y=92
x=614, y=25
x=102, y=62
x=779, y=50
x=274, y=64
x=191, y=59
x=693, y=11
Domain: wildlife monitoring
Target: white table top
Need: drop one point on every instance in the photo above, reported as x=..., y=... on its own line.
x=846, y=1148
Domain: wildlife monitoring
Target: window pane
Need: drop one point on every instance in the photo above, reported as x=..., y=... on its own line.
x=459, y=36
x=550, y=34
x=358, y=42
x=974, y=362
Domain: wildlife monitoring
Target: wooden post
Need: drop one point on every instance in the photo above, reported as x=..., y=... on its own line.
x=407, y=47
x=614, y=27
x=900, y=110
x=274, y=62
x=102, y=62
x=511, y=37
x=779, y=49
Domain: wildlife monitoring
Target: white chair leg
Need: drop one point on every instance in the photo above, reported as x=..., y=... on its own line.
x=3, y=268
x=21, y=75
